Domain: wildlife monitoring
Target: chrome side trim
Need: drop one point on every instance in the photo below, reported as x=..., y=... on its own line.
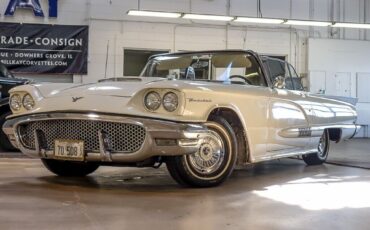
x=348, y=131
x=277, y=155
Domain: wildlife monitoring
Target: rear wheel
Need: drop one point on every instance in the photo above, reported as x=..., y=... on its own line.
x=69, y=168
x=321, y=155
x=214, y=161
x=4, y=141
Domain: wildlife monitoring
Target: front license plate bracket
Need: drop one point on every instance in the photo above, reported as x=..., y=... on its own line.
x=72, y=150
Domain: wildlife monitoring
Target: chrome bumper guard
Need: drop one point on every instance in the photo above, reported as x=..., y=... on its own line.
x=163, y=138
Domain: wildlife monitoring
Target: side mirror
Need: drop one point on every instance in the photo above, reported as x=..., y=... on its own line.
x=279, y=82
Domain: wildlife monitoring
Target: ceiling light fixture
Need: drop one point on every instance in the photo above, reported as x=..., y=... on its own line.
x=307, y=23
x=351, y=25
x=259, y=20
x=153, y=14
x=208, y=17
x=147, y=13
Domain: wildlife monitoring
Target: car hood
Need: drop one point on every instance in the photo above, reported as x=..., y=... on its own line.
x=118, y=88
x=128, y=87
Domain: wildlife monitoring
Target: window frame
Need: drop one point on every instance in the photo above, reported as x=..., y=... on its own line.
x=126, y=50
x=257, y=59
x=300, y=82
x=283, y=63
x=287, y=70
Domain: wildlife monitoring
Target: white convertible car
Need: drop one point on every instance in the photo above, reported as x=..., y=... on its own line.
x=201, y=113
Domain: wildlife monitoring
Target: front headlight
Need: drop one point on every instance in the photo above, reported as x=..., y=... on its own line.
x=28, y=102
x=152, y=101
x=170, y=101
x=15, y=102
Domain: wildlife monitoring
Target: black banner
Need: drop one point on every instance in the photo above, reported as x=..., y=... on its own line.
x=42, y=48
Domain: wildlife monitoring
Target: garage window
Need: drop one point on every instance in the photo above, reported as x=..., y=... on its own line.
x=134, y=60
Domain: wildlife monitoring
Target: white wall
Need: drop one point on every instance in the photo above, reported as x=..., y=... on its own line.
x=350, y=57
x=108, y=22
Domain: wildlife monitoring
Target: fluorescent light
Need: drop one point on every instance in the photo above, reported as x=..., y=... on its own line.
x=259, y=20
x=153, y=14
x=352, y=25
x=207, y=17
x=307, y=23
x=147, y=13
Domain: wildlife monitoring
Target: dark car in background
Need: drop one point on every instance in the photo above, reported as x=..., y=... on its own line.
x=7, y=81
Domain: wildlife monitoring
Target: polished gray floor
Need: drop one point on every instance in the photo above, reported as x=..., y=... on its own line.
x=281, y=194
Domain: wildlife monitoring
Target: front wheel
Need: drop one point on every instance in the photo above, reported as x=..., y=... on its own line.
x=69, y=168
x=214, y=161
x=321, y=155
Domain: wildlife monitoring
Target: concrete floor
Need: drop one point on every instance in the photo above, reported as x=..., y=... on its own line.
x=281, y=194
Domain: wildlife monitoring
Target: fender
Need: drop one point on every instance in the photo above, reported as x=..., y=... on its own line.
x=239, y=115
x=231, y=107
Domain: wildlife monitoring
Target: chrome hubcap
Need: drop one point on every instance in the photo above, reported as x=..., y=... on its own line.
x=322, y=146
x=210, y=154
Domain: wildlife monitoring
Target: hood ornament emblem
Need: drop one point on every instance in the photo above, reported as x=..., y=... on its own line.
x=74, y=99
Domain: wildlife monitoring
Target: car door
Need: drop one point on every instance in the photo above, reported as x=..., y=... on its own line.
x=289, y=113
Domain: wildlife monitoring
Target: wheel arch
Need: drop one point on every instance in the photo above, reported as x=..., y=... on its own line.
x=238, y=125
x=335, y=134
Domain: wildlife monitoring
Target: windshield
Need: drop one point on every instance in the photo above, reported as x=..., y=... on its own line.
x=233, y=67
x=297, y=81
x=4, y=72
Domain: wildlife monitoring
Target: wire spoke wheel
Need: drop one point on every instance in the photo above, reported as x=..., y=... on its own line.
x=213, y=161
x=322, y=146
x=322, y=151
x=210, y=155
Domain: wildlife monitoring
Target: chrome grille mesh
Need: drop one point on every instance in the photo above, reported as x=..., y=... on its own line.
x=124, y=137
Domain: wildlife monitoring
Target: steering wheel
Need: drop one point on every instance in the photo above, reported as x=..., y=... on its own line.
x=241, y=77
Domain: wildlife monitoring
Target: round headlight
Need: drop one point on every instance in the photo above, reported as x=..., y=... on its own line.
x=170, y=102
x=28, y=102
x=15, y=102
x=152, y=101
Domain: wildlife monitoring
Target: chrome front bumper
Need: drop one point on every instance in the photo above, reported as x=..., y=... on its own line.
x=163, y=138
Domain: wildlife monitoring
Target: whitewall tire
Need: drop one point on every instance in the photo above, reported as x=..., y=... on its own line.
x=214, y=161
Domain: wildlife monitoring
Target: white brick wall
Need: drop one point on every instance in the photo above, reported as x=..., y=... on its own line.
x=108, y=22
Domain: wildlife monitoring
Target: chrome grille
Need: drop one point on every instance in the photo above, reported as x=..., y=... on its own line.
x=124, y=137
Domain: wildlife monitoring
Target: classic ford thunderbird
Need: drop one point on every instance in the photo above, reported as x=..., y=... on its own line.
x=200, y=113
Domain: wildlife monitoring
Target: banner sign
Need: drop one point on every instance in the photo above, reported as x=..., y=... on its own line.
x=42, y=48
x=33, y=5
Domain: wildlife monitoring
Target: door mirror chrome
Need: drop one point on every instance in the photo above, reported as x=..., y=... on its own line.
x=279, y=82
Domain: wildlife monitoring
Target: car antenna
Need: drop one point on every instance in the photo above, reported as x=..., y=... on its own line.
x=106, y=60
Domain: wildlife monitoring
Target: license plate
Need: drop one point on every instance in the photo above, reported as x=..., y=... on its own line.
x=69, y=150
